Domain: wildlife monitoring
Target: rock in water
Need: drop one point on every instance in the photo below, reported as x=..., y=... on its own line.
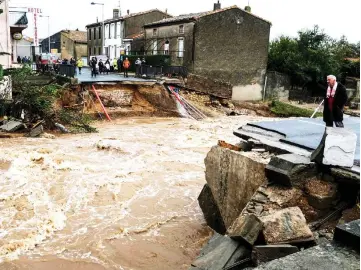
x=210, y=210
x=286, y=226
x=37, y=131
x=62, y=128
x=337, y=148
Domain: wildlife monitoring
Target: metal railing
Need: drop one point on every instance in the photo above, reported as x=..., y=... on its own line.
x=153, y=71
x=63, y=70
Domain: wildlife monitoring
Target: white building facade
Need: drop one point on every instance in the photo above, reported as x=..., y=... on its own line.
x=5, y=39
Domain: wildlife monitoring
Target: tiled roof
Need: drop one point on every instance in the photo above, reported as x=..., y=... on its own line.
x=135, y=36
x=77, y=36
x=126, y=17
x=196, y=16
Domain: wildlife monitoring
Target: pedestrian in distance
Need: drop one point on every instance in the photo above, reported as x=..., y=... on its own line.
x=79, y=64
x=126, y=66
x=101, y=66
x=93, y=65
x=138, y=64
x=115, y=64
x=107, y=66
x=19, y=59
x=334, y=102
x=119, y=64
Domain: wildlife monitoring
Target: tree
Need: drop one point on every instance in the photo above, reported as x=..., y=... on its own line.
x=312, y=56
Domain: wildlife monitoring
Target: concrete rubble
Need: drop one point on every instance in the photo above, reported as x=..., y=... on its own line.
x=284, y=210
x=336, y=148
x=12, y=126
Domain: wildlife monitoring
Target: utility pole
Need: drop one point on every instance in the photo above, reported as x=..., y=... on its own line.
x=103, y=34
x=44, y=16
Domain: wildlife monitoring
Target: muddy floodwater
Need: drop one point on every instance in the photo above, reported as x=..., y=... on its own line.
x=123, y=198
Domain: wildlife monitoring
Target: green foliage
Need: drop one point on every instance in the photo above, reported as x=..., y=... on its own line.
x=78, y=122
x=1, y=73
x=312, y=56
x=287, y=110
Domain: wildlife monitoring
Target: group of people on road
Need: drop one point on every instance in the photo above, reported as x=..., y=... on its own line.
x=23, y=60
x=112, y=65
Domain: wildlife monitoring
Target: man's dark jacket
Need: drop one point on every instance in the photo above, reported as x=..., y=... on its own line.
x=339, y=102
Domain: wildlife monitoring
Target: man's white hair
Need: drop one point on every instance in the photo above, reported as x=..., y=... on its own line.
x=331, y=77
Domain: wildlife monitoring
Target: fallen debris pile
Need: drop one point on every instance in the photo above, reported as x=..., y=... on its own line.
x=283, y=206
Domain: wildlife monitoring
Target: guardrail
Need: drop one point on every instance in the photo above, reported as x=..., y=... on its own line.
x=153, y=71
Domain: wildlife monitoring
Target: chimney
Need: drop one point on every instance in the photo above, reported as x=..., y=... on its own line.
x=128, y=12
x=217, y=6
x=97, y=20
x=115, y=13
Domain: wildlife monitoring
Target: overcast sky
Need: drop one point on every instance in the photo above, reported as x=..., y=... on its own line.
x=336, y=17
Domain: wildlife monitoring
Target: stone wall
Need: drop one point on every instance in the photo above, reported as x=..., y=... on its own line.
x=209, y=86
x=171, y=33
x=278, y=86
x=232, y=46
x=233, y=178
x=80, y=50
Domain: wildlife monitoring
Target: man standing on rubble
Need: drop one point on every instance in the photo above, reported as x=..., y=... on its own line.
x=334, y=102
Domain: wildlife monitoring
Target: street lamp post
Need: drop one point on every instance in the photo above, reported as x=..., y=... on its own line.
x=103, y=34
x=44, y=16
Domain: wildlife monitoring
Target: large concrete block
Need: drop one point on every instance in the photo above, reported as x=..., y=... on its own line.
x=233, y=179
x=210, y=210
x=290, y=169
x=247, y=228
x=286, y=226
x=263, y=254
x=337, y=148
x=220, y=252
x=321, y=194
x=348, y=234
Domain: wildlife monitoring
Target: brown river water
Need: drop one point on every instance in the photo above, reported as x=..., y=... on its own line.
x=123, y=198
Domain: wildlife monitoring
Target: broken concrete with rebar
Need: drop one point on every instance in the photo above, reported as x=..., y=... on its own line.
x=284, y=202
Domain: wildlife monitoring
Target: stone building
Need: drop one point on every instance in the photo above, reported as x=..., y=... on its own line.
x=228, y=45
x=67, y=44
x=122, y=33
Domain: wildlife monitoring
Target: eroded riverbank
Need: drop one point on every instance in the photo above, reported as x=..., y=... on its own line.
x=124, y=198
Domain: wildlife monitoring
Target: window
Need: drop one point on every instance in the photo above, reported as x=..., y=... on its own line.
x=180, y=47
x=106, y=34
x=90, y=34
x=94, y=33
x=100, y=32
x=106, y=50
x=166, y=47
x=112, y=30
x=181, y=29
x=90, y=52
x=155, y=45
x=155, y=32
x=118, y=29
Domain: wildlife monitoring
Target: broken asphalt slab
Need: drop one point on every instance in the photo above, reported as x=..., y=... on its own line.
x=12, y=126
x=295, y=135
x=330, y=257
x=266, y=253
x=220, y=252
x=290, y=169
x=348, y=234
